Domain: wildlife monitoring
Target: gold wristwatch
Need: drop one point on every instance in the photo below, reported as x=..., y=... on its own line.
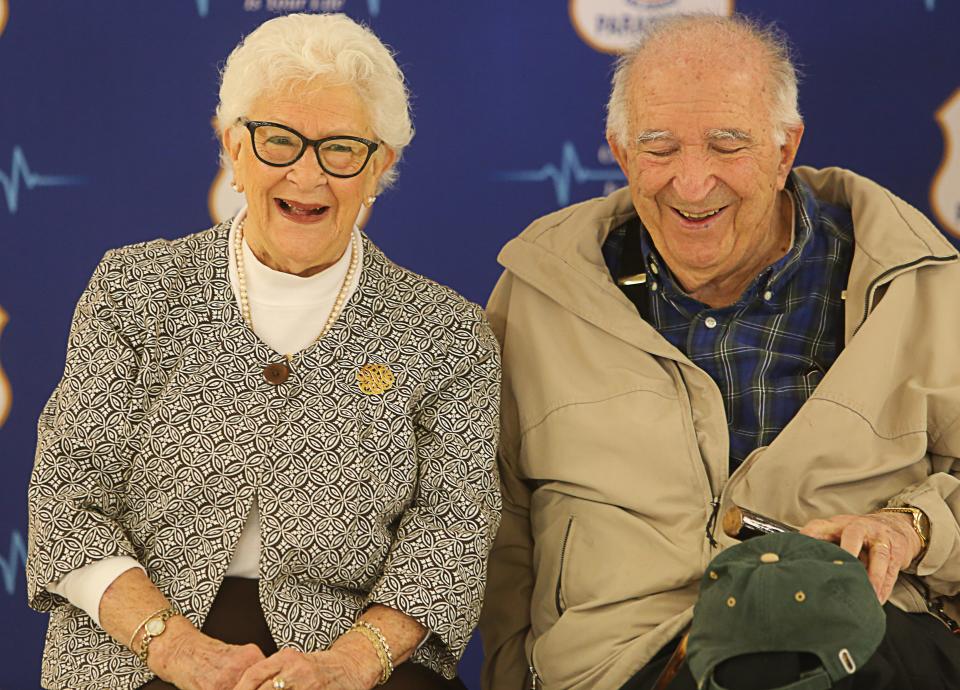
x=921, y=525
x=153, y=628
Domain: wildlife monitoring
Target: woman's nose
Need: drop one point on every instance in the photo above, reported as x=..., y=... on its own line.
x=307, y=172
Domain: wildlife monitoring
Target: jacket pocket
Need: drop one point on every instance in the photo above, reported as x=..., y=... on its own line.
x=564, y=555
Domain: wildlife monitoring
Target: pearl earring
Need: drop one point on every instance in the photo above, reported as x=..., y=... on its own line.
x=237, y=187
x=368, y=202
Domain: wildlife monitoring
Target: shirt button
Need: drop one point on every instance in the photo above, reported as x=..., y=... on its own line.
x=768, y=295
x=653, y=268
x=276, y=373
x=710, y=322
x=653, y=286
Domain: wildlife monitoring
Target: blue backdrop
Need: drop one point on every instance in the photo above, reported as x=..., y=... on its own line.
x=106, y=139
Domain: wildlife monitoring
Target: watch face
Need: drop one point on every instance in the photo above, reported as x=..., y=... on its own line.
x=155, y=626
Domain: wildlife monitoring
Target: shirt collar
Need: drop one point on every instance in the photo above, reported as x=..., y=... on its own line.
x=771, y=279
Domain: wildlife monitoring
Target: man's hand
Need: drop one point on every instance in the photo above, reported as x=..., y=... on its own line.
x=885, y=542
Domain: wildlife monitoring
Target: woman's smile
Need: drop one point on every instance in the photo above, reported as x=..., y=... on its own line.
x=302, y=213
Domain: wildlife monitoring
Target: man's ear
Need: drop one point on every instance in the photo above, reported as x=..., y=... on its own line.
x=619, y=153
x=788, y=152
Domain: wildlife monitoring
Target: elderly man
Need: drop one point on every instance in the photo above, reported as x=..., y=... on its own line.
x=725, y=330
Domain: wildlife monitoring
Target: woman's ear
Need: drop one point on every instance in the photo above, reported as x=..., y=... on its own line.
x=230, y=139
x=382, y=161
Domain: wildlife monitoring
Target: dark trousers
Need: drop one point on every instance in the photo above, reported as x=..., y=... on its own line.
x=917, y=653
x=236, y=618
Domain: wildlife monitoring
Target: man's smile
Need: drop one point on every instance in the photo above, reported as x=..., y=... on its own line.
x=697, y=219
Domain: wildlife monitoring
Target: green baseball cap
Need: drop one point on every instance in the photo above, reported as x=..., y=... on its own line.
x=785, y=593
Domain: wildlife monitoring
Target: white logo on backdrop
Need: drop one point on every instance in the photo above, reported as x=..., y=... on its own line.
x=569, y=171
x=611, y=26
x=20, y=174
x=6, y=397
x=945, y=190
x=278, y=6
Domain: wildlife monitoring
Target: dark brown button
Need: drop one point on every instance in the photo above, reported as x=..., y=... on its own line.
x=276, y=373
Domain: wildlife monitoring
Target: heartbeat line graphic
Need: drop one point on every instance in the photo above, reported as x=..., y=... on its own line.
x=20, y=172
x=569, y=171
x=11, y=567
x=203, y=7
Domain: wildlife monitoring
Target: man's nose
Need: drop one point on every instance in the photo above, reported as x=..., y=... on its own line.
x=694, y=178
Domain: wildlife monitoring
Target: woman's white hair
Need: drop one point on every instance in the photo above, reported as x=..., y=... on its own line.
x=773, y=45
x=290, y=51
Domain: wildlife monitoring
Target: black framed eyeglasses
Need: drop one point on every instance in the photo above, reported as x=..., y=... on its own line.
x=341, y=155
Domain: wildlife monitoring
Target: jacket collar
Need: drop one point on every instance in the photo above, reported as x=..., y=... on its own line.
x=560, y=255
x=891, y=237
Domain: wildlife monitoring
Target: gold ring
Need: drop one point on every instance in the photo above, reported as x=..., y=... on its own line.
x=279, y=683
x=882, y=544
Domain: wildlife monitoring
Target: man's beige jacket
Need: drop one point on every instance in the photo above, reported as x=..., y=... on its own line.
x=614, y=446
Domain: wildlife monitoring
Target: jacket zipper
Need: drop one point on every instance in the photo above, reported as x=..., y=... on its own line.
x=935, y=608
x=683, y=395
x=872, y=287
x=712, y=522
x=934, y=605
x=535, y=682
x=563, y=556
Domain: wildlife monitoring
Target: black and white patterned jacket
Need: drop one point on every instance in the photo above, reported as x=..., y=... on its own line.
x=164, y=430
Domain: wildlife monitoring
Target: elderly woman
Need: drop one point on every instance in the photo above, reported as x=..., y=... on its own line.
x=267, y=434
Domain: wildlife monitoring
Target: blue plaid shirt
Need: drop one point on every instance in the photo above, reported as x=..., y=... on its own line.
x=769, y=350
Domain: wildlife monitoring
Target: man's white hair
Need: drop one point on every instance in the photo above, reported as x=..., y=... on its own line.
x=287, y=52
x=673, y=30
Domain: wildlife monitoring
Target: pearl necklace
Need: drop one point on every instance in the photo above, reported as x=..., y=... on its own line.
x=337, y=304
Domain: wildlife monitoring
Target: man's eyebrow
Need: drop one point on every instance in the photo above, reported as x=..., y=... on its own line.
x=648, y=135
x=736, y=134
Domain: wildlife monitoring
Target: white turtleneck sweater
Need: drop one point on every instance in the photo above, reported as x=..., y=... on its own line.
x=288, y=313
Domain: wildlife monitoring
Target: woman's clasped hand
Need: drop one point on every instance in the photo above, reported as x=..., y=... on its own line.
x=191, y=660
x=334, y=670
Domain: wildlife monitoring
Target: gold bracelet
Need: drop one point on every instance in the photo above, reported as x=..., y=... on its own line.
x=379, y=642
x=143, y=623
x=153, y=628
